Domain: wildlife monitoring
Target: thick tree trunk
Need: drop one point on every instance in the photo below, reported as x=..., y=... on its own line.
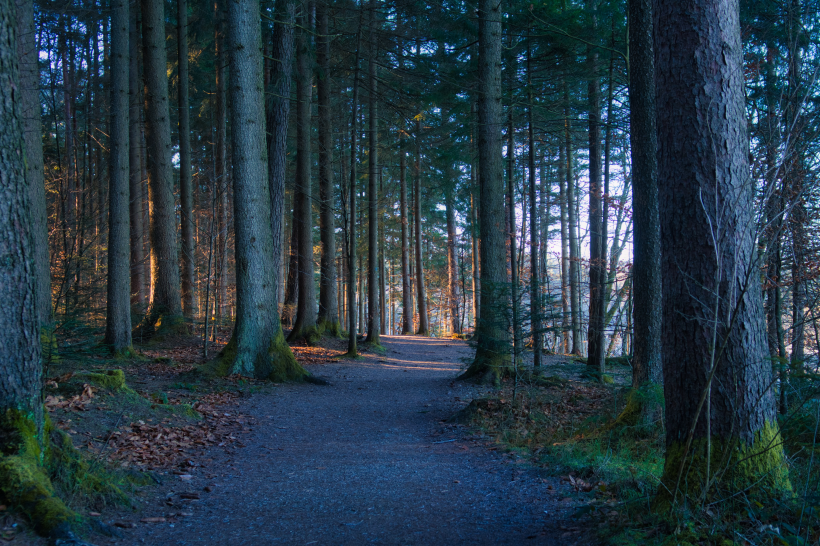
x=328, y=306
x=373, y=296
x=304, y=327
x=136, y=181
x=717, y=382
x=257, y=347
x=277, y=128
x=646, y=277
x=493, y=351
x=30, y=112
x=186, y=197
x=118, y=306
x=165, y=290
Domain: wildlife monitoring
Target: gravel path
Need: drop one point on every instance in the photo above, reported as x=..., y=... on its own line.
x=367, y=460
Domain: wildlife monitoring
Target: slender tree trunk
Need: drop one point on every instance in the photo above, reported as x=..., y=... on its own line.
x=452, y=264
x=514, y=319
x=424, y=326
x=137, y=196
x=646, y=277
x=292, y=280
x=373, y=296
x=493, y=351
x=565, y=278
x=277, y=128
x=221, y=154
x=535, y=289
x=717, y=383
x=305, y=325
x=474, y=227
x=406, y=295
x=572, y=229
x=30, y=112
x=118, y=308
x=328, y=306
x=165, y=305
x=185, y=186
x=352, y=349
x=257, y=347
x=595, y=333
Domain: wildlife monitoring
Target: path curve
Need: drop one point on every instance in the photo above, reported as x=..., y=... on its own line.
x=367, y=460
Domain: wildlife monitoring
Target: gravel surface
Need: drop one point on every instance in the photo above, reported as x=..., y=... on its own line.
x=366, y=460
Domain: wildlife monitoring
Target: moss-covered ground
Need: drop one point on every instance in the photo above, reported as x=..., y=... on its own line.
x=572, y=425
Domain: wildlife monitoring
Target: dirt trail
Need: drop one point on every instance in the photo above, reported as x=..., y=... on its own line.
x=366, y=460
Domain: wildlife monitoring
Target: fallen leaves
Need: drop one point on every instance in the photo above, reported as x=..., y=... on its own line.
x=75, y=403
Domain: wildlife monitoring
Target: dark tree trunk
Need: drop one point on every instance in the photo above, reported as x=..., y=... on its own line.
x=328, y=306
x=565, y=278
x=493, y=351
x=406, y=294
x=646, y=277
x=136, y=181
x=277, y=124
x=514, y=319
x=352, y=349
x=118, y=308
x=424, y=324
x=535, y=289
x=304, y=327
x=717, y=382
x=452, y=265
x=165, y=291
x=221, y=154
x=572, y=229
x=185, y=187
x=257, y=347
x=30, y=112
x=373, y=296
x=595, y=333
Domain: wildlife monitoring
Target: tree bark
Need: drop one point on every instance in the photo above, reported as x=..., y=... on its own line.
x=136, y=181
x=118, y=308
x=257, y=347
x=493, y=350
x=717, y=384
x=424, y=324
x=277, y=128
x=221, y=155
x=373, y=296
x=646, y=275
x=165, y=290
x=535, y=288
x=572, y=229
x=514, y=318
x=328, y=306
x=185, y=187
x=304, y=327
x=406, y=295
x=565, y=278
x=452, y=265
x=352, y=349
x=30, y=112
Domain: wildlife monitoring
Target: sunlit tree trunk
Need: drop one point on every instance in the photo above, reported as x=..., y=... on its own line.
x=136, y=181
x=185, y=186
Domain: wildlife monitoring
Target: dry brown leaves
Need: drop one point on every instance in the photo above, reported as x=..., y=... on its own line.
x=313, y=355
x=75, y=403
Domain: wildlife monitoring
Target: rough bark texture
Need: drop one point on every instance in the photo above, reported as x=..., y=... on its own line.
x=19, y=323
x=165, y=305
x=136, y=181
x=304, y=326
x=186, y=196
x=424, y=327
x=454, y=294
x=221, y=154
x=257, y=347
x=30, y=111
x=515, y=316
x=493, y=347
x=328, y=306
x=712, y=302
x=352, y=349
x=373, y=296
x=646, y=274
x=277, y=128
x=118, y=305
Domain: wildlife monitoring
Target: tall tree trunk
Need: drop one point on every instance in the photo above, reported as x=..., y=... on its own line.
x=165, y=291
x=277, y=129
x=304, y=327
x=328, y=306
x=514, y=319
x=373, y=296
x=646, y=277
x=30, y=112
x=257, y=347
x=595, y=333
x=452, y=265
x=565, y=278
x=424, y=324
x=352, y=349
x=406, y=295
x=474, y=227
x=118, y=308
x=572, y=229
x=717, y=383
x=535, y=289
x=292, y=280
x=221, y=154
x=186, y=197
x=493, y=350
x=136, y=181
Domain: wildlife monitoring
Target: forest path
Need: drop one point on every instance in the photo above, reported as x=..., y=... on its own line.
x=368, y=460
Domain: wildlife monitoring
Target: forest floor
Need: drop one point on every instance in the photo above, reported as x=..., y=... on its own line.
x=372, y=458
